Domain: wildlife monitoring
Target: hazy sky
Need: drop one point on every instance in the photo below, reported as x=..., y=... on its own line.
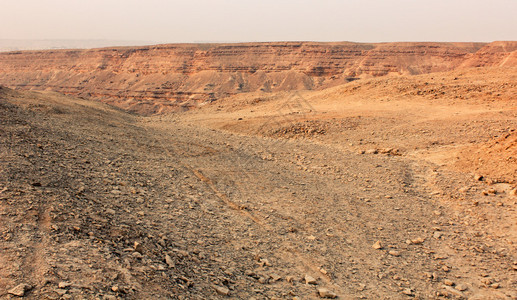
x=260, y=20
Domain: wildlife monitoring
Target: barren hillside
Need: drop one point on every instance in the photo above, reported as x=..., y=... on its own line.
x=175, y=77
x=384, y=188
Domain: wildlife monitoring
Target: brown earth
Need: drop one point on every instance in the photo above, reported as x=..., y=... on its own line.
x=167, y=78
x=251, y=194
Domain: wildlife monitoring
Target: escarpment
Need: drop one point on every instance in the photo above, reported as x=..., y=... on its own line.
x=171, y=77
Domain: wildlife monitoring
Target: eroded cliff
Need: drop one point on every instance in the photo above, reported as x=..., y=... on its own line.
x=162, y=78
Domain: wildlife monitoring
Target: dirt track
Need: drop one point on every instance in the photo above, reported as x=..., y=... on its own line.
x=217, y=206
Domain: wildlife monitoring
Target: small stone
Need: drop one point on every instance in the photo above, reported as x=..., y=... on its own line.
x=454, y=291
x=250, y=273
x=20, y=289
x=461, y=287
x=115, y=288
x=437, y=234
x=448, y=282
x=377, y=245
x=63, y=284
x=417, y=241
x=169, y=261
x=138, y=247
x=435, y=276
x=495, y=285
x=371, y=151
x=221, y=290
x=275, y=277
x=440, y=256
x=326, y=293
x=408, y=292
x=478, y=177
x=289, y=278
x=310, y=280
x=61, y=292
x=394, y=253
x=463, y=189
x=264, y=262
x=263, y=280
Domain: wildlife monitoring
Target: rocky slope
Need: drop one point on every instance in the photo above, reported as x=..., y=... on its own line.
x=346, y=192
x=169, y=77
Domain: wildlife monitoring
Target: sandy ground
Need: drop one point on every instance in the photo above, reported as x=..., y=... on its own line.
x=369, y=190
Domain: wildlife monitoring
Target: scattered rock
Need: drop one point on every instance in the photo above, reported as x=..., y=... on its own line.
x=408, y=292
x=371, y=151
x=275, y=277
x=448, y=282
x=440, y=256
x=417, y=241
x=461, y=287
x=138, y=247
x=454, y=291
x=20, y=289
x=264, y=262
x=326, y=293
x=394, y=253
x=377, y=245
x=495, y=285
x=221, y=290
x=169, y=261
x=310, y=280
x=63, y=284
x=263, y=280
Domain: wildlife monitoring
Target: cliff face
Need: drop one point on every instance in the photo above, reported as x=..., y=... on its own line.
x=171, y=77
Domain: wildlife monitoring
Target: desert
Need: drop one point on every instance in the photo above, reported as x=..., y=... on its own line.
x=294, y=170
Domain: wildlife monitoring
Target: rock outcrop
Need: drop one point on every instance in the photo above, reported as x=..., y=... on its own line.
x=161, y=78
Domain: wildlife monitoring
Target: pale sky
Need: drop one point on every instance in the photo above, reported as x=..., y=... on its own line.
x=260, y=20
